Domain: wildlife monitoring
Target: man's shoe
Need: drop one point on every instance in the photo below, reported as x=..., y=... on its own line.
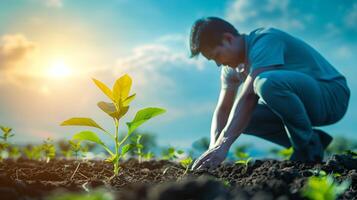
x=314, y=150
x=325, y=138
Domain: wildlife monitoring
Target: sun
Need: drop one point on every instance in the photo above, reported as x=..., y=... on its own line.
x=59, y=69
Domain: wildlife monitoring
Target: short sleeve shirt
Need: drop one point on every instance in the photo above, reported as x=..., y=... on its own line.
x=269, y=46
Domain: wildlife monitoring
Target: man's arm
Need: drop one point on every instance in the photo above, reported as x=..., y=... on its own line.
x=221, y=113
x=242, y=110
x=237, y=121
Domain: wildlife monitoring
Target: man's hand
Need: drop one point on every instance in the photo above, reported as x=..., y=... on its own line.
x=212, y=157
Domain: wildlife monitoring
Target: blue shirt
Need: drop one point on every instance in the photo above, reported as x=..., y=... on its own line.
x=269, y=46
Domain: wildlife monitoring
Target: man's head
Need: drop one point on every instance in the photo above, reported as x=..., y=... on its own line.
x=218, y=40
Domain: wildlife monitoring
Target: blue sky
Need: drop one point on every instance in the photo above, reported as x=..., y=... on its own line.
x=148, y=40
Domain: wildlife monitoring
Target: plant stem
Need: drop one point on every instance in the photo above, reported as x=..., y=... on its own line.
x=116, y=160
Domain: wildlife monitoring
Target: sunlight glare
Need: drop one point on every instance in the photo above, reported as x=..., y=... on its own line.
x=59, y=69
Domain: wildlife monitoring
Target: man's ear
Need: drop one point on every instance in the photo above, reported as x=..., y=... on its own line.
x=228, y=37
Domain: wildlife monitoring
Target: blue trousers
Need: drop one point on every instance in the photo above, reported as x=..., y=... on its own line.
x=291, y=103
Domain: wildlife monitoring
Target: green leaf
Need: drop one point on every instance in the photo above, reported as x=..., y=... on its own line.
x=81, y=121
x=126, y=148
x=121, y=88
x=6, y=129
x=113, y=158
x=89, y=136
x=180, y=152
x=104, y=89
x=142, y=116
x=186, y=162
x=127, y=101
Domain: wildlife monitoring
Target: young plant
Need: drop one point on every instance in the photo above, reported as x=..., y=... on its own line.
x=282, y=153
x=137, y=146
x=148, y=156
x=6, y=133
x=244, y=162
x=33, y=152
x=171, y=153
x=4, y=144
x=324, y=188
x=240, y=152
x=116, y=109
x=48, y=149
x=186, y=163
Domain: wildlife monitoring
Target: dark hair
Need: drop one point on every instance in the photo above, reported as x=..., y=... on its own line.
x=207, y=33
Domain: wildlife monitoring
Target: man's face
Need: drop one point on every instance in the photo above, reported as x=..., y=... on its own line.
x=227, y=53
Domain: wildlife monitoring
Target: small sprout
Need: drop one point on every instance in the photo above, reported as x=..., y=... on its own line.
x=116, y=109
x=226, y=183
x=48, y=149
x=186, y=163
x=148, y=156
x=137, y=146
x=13, y=151
x=171, y=153
x=6, y=133
x=33, y=152
x=318, y=172
x=4, y=144
x=324, y=188
x=244, y=162
x=240, y=152
x=76, y=147
x=286, y=153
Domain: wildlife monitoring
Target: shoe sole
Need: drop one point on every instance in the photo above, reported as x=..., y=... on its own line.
x=325, y=138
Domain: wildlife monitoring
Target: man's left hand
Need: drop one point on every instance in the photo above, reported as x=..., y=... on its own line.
x=212, y=157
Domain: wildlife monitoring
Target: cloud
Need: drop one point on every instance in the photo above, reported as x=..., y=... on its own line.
x=151, y=63
x=14, y=48
x=264, y=13
x=164, y=74
x=351, y=18
x=54, y=3
x=299, y=17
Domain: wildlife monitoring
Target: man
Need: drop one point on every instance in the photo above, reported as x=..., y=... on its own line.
x=285, y=88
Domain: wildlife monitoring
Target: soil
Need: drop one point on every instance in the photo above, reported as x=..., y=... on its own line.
x=154, y=180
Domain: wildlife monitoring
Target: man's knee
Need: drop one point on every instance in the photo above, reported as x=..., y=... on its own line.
x=266, y=84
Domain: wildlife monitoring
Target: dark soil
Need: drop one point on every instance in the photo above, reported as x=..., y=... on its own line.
x=261, y=179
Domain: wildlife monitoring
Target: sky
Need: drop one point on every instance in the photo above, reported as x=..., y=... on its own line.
x=50, y=50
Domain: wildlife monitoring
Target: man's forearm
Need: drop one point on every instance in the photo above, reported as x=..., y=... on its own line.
x=239, y=119
x=219, y=121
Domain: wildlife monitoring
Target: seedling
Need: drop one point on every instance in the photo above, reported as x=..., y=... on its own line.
x=148, y=156
x=33, y=152
x=283, y=153
x=171, y=153
x=6, y=133
x=241, y=152
x=186, y=163
x=116, y=109
x=48, y=149
x=137, y=147
x=4, y=145
x=244, y=162
x=318, y=172
x=324, y=188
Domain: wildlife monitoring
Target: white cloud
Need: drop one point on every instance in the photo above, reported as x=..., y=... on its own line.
x=14, y=48
x=54, y=3
x=351, y=18
x=250, y=14
x=343, y=52
x=149, y=62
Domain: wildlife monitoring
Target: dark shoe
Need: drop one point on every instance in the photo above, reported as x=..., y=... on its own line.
x=313, y=151
x=325, y=138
